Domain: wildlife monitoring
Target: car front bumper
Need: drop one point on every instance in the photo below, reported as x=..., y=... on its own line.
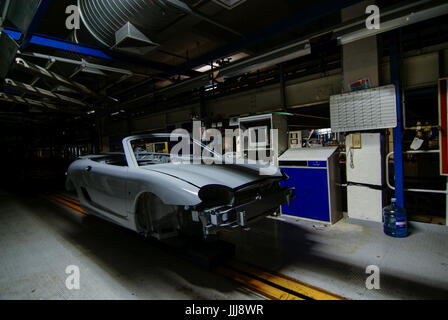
x=243, y=215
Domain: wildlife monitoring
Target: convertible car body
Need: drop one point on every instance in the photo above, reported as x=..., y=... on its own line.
x=143, y=189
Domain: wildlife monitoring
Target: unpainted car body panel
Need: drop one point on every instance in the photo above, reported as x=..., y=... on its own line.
x=112, y=191
x=230, y=175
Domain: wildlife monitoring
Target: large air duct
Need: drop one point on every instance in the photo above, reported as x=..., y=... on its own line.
x=127, y=25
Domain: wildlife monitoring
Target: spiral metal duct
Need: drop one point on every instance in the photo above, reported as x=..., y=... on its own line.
x=103, y=18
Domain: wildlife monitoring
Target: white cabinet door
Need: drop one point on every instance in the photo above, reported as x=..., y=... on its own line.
x=365, y=165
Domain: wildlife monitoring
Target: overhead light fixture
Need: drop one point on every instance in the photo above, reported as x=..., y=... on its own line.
x=206, y=67
x=396, y=23
x=232, y=58
x=269, y=59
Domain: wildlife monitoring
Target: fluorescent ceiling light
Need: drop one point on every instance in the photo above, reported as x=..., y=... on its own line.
x=237, y=56
x=406, y=20
x=205, y=67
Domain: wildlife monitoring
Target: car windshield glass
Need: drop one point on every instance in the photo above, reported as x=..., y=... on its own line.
x=159, y=149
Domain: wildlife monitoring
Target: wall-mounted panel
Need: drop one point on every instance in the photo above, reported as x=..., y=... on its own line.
x=364, y=110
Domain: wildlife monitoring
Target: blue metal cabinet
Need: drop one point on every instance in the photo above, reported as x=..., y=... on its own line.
x=311, y=193
x=315, y=181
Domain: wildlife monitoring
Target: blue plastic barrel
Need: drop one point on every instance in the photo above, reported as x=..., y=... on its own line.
x=395, y=220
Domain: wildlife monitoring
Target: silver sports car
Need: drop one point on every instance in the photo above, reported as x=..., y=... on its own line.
x=151, y=191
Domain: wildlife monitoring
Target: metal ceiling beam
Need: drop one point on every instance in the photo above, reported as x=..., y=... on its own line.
x=173, y=89
x=273, y=57
x=23, y=87
x=246, y=64
x=393, y=19
x=84, y=63
x=51, y=76
x=268, y=59
x=185, y=8
x=307, y=16
x=34, y=103
x=64, y=45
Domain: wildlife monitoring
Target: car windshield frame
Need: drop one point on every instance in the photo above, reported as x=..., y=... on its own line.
x=130, y=154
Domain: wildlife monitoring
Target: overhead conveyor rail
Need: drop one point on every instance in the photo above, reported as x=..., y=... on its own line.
x=79, y=96
x=23, y=87
x=51, y=76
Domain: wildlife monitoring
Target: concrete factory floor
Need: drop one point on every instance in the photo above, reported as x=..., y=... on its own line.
x=39, y=239
x=335, y=257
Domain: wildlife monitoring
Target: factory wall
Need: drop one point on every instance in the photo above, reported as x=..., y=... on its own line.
x=419, y=69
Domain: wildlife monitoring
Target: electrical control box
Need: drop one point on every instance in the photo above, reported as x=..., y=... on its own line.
x=295, y=139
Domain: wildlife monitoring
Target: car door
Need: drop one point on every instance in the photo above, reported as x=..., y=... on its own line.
x=107, y=187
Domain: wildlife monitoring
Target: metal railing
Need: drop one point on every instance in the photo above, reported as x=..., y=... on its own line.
x=412, y=190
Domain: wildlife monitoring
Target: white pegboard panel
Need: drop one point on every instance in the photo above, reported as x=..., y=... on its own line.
x=364, y=110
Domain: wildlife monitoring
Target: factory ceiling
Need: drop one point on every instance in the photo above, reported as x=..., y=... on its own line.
x=47, y=82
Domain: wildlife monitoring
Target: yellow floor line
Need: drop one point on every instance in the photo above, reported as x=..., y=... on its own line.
x=69, y=199
x=288, y=283
x=256, y=285
x=68, y=204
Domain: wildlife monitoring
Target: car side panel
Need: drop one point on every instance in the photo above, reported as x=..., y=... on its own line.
x=107, y=187
x=171, y=190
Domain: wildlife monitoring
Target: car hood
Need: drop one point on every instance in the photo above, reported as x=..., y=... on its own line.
x=231, y=175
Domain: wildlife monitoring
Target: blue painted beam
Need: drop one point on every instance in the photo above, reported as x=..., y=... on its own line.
x=55, y=43
x=395, y=38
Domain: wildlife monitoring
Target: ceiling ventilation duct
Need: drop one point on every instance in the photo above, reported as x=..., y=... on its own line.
x=131, y=40
x=127, y=25
x=229, y=4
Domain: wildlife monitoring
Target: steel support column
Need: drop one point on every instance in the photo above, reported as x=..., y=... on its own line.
x=395, y=53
